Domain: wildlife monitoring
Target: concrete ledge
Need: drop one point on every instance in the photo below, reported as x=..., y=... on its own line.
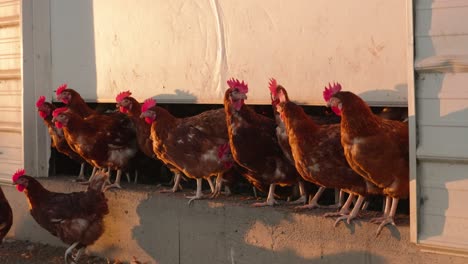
x=161, y=228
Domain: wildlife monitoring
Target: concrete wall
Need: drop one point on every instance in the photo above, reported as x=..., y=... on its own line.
x=161, y=228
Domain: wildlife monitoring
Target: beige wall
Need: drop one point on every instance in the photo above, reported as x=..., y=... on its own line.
x=183, y=51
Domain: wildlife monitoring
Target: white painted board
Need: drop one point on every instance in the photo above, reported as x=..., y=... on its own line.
x=184, y=51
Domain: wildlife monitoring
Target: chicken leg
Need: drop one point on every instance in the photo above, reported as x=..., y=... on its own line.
x=345, y=209
x=81, y=175
x=68, y=254
x=270, y=199
x=116, y=183
x=313, y=202
x=176, y=186
x=389, y=214
x=199, y=194
x=210, y=182
x=302, y=192
x=353, y=213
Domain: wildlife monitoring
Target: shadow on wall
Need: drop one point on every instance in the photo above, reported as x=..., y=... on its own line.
x=73, y=46
x=223, y=232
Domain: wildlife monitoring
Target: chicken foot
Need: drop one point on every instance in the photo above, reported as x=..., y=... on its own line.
x=313, y=203
x=389, y=214
x=69, y=254
x=199, y=194
x=270, y=199
x=218, y=186
x=176, y=186
x=81, y=176
x=345, y=209
x=302, y=192
x=354, y=213
x=116, y=183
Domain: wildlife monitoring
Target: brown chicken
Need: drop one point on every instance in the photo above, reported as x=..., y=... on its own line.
x=109, y=122
x=254, y=145
x=45, y=110
x=318, y=156
x=283, y=142
x=75, y=218
x=189, y=145
x=131, y=107
x=6, y=216
x=376, y=148
x=101, y=141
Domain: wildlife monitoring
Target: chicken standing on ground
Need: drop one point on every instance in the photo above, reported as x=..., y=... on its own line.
x=376, y=148
x=319, y=158
x=189, y=145
x=6, y=216
x=254, y=145
x=45, y=110
x=75, y=218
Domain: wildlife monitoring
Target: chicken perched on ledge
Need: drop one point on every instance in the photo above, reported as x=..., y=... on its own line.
x=283, y=142
x=6, y=216
x=376, y=148
x=75, y=218
x=45, y=110
x=131, y=107
x=318, y=155
x=189, y=145
x=103, y=142
x=109, y=122
x=254, y=145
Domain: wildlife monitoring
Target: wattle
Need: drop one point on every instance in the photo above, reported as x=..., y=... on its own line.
x=43, y=114
x=20, y=187
x=58, y=124
x=123, y=110
x=148, y=120
x=336, y=110
x=238, y=104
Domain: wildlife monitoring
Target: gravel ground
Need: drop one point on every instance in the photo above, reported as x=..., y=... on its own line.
x=26, y=252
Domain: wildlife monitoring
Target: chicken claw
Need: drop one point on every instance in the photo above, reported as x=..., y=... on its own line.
x=114, y=185
x=385, y=221
x=270, y=199
x=348, y=219
x=301, y=200
x=199, y=194
x=271, y=202
x=193, y=198
x=311, y=205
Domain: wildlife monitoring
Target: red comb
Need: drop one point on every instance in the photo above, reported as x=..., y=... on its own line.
x=58, y=111
x=273, y=85
x=331, y=90
x=60, y=89
x=147, y=104
x=241, y=86
x=17, y=174
x=122, y=96
x=40, y=101
x=222, y=150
